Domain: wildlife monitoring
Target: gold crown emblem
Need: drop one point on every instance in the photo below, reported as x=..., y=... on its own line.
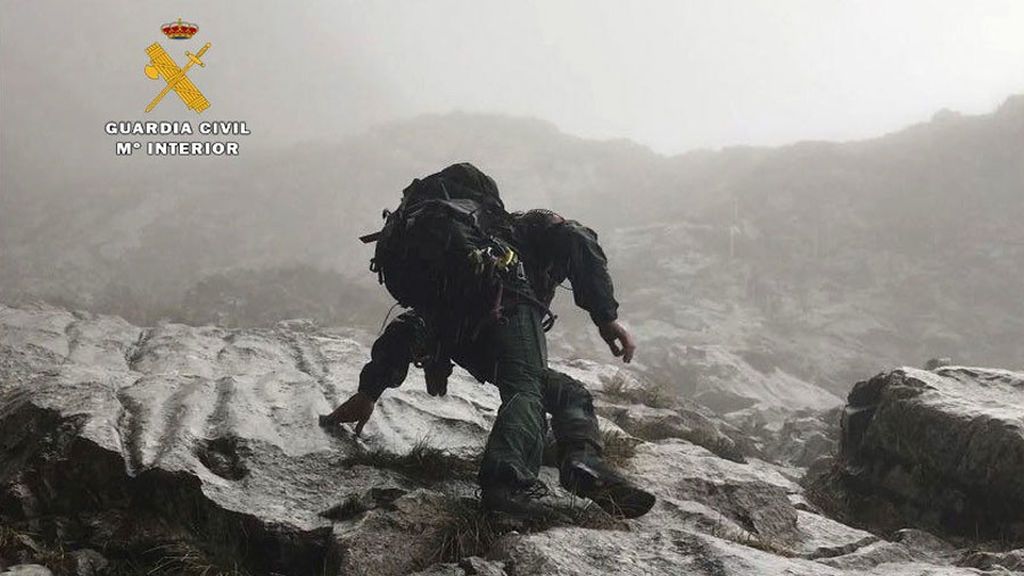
x=179, y=30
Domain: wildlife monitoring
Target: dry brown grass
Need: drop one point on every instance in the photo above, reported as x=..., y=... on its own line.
x=17, y=547
x=470, y=531
x=467, y=532
x=177, y=558
x=658, y=394
x=423, y=463
x=619, y=449
x=186, y=559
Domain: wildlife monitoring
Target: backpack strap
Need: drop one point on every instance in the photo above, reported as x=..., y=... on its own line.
x=549, y=318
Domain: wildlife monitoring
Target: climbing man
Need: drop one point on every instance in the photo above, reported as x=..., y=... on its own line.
x=477, y=282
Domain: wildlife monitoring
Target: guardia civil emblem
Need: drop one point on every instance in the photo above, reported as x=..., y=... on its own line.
x=161, y=65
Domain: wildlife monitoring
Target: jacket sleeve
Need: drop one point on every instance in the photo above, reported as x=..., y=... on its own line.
x=587, y=270
x=391, y=355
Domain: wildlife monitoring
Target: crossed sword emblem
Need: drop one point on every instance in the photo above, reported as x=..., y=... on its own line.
x=161, y=64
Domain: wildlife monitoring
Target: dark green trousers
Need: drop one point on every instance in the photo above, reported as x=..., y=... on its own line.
x=573, y=422
x=528, y=389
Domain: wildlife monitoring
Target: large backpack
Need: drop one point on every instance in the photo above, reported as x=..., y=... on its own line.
x=446, y=244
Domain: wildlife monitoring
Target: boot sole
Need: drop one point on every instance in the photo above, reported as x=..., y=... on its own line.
x=623, y=500
x=523, y=513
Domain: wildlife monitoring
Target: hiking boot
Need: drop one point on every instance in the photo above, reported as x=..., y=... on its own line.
x=588, y=476
x=516, y=500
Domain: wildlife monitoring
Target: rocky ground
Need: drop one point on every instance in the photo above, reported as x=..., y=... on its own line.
x=942, y=449
x=196, y=450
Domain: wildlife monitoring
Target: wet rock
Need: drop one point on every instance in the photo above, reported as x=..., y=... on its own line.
x=733, y=381
x=122, y=437
x=224, y=457
x=803, y=438
x=757, y=507
x=666, y=463
x=27, y=570
x=579, y=552
x=476, y=566
x=654, y=411
x=89, y=562
x=431, y=529
x=752, y=504
x=926, y=546
x=993, y=561
x=900, y=559
x=730, y=497
x=911, y=553
x=470, y=566
x=821, y=537
x=871, y=556
x=446, y=569
x=413, y=524
x=940, y=449
x=356, y=504
x=654, y=424
x=204, y=441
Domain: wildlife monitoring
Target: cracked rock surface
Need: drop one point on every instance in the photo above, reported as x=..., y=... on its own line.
x=178, y=449
x=938, y=449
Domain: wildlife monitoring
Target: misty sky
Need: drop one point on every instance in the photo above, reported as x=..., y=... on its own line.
x=674, y=75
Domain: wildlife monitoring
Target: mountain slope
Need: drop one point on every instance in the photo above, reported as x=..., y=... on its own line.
x=815, y=262
x=196, y=450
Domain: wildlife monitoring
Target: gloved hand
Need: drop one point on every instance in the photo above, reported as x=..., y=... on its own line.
x=358, y=408
x=619, y=340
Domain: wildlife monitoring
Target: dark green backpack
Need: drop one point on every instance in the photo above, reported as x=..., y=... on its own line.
x=445, y=245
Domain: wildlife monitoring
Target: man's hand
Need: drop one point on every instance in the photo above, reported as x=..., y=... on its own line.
x=618, y=339
x=358, y=408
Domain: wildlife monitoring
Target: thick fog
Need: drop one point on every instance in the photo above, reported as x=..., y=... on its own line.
x=890, y=235
x=812, y=215
x=668, y=74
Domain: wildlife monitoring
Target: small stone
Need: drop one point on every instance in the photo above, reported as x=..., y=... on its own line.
x=89, y=562
x=476, y=566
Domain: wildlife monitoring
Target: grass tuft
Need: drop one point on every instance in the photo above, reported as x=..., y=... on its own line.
x=649, y=393
x=18, y=547
x=470, y=531
x=423, y=462
x=10, y=544
x=183, y=558
x=177, y=558
x=467, y=532
x=619, y=449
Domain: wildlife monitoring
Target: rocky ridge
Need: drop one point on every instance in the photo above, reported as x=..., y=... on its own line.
x=179, y=449
x=942, y=448
x=767, y=271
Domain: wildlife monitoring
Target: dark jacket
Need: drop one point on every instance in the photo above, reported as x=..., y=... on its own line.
x=552, y=249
